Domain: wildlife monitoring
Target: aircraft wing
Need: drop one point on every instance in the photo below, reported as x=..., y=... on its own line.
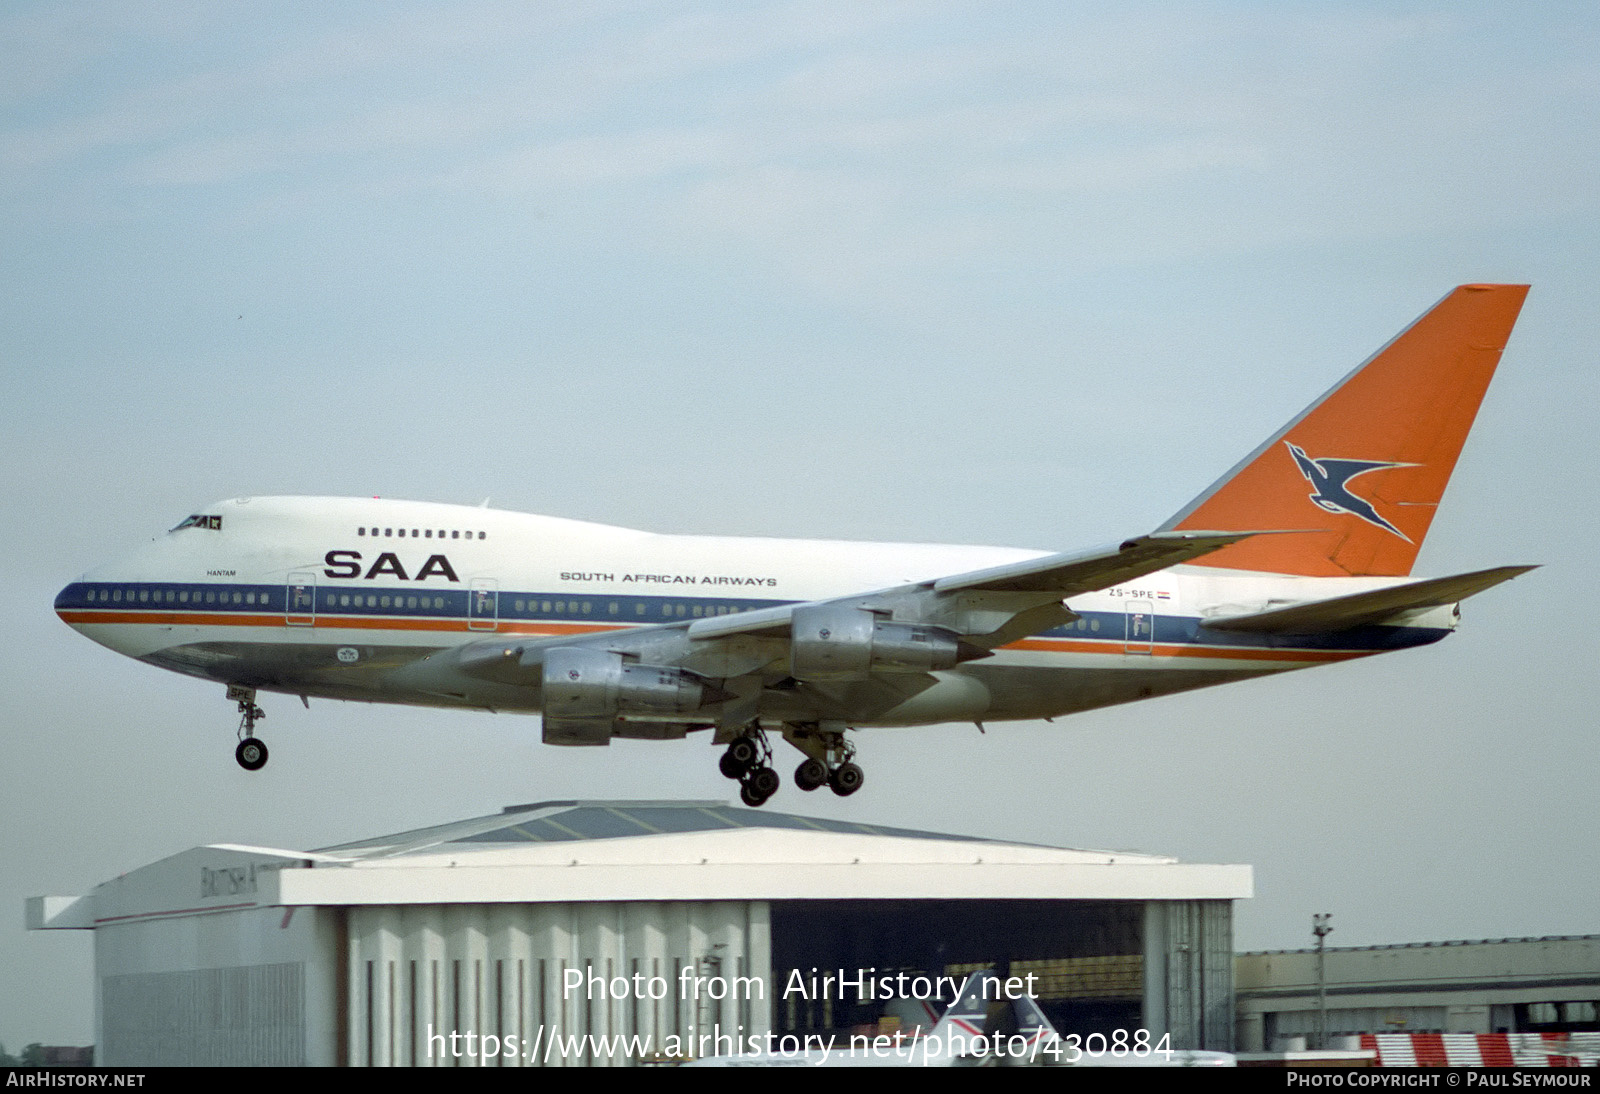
x=1055, y=577
x=986, y=608
x=846, y=659
x=1087, y=572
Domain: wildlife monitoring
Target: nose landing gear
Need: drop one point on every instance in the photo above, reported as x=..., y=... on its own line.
x=252, y=752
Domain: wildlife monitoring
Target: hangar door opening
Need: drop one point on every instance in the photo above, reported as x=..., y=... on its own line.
x=1088, y=956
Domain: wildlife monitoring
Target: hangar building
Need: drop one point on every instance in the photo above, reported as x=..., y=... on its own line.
x=614, y=933
x=1545, y=985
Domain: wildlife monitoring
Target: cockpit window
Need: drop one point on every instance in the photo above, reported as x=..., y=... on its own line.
x=201, y=520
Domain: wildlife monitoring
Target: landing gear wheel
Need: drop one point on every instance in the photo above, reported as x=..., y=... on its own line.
x=758, y=785
x=742, y=755
x=811, y=774
x=749, y=759
x=846, y=779
x=829, y=757
x=251, y=754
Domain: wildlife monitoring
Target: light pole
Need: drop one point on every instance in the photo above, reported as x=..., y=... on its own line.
x=1320, y=928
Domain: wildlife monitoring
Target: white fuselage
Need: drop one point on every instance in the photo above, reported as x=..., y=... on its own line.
x=341, y=597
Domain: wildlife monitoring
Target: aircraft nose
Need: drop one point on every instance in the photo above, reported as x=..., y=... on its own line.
x=71, y=600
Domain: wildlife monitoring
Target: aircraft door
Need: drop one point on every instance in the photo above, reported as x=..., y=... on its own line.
x=483, y=605
x=300, y=600
x=1139, y=625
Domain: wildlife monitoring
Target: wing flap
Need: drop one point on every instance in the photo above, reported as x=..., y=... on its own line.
x=1344, y=612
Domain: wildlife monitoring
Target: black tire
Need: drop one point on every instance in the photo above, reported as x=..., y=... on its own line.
x=741, y=756
x=251, y=754
x=810, y=775
x=846, y=779
x=763, y=782
x=750, y=797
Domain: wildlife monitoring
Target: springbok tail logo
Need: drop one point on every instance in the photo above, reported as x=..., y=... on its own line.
x=1330, y=478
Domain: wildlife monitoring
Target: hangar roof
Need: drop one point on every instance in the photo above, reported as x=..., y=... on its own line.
x=571, y=851
x=571, y=821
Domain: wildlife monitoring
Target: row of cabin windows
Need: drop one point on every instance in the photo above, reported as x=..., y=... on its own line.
x=346, y=600
x=561, y=607
x=371, y=600
x=574, y=607
x=174, y=596
x=424, y=533
x=697, y=611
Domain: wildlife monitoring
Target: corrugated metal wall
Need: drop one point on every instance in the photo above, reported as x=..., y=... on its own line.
x=1188, y=971
x=554, y=984
x=245, y=1016
x=247, y=986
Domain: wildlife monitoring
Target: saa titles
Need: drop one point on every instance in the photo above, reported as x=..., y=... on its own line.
x=348, y=564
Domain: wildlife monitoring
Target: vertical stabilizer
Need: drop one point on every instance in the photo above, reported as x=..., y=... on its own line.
x=1364, y=466
x=969, y=1014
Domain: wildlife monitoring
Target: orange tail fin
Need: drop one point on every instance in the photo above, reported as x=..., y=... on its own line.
x=1365, y=465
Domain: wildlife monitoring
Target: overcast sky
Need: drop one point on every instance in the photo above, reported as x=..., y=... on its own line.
x=1025, y=274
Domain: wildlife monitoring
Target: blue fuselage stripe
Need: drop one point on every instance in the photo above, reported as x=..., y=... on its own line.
x=607, y=610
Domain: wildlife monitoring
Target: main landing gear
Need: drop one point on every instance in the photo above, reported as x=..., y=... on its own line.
x=829, y=762
x=252, y=752
x=830, y=759
x=749, y=759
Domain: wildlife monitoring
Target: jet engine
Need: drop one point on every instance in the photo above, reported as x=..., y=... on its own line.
x=586, y=690
x=835, y=641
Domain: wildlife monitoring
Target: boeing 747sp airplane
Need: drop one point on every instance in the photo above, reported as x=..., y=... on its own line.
x=1299, y=556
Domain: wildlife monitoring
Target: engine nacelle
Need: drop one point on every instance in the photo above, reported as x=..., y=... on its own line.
x=590, y=683
x=837, y=641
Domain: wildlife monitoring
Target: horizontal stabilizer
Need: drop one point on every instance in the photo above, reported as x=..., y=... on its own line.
x=1344, y=612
